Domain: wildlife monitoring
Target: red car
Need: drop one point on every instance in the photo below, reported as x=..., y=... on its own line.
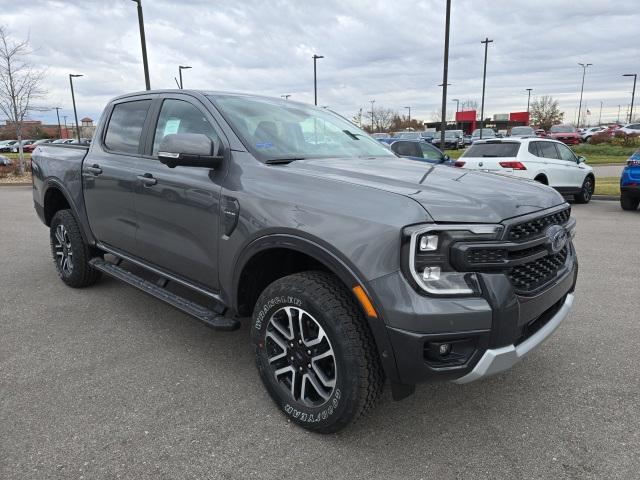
x=565, y=133
x=32, y=146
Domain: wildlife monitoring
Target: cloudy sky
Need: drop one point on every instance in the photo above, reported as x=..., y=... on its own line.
x=390, y=51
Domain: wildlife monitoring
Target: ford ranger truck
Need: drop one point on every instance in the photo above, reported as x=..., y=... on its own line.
x=353, y=266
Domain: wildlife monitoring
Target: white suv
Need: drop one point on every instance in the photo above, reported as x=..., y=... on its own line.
x=543, y=160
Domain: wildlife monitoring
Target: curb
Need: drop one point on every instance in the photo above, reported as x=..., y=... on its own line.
x=615, y=198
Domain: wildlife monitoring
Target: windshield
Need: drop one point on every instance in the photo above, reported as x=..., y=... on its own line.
x=274, y=129
x=562, y=129
x=486, y=132
x=522, y=131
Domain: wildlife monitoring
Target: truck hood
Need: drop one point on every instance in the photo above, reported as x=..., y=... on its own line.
x=448, y=194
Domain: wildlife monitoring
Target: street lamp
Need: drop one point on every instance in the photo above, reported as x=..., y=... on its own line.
x=486, y=42
x=584, y=70
x=66, y=129
x=600, y=116
x=180, y=68
x=143, y=43
x=409, y=108
x=372, y=114
x=445, y=73
x=315, y=79
x=528, y=97
x=58, y=115
x=73, y=99
x=633, y=94
x=457, y=108
x=286, y=97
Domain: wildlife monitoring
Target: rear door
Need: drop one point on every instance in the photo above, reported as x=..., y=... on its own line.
x=109, y=173
x=178, y=209
x=555, y=168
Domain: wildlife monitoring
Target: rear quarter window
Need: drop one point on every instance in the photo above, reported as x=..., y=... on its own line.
x=492, y=150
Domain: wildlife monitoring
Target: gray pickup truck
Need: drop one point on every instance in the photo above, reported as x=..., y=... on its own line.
x=354, y=265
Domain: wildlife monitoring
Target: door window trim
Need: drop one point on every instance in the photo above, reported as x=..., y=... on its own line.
x=109, y=115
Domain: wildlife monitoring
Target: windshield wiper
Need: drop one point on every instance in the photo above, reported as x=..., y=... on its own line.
x=352, y=135
x=282, y=161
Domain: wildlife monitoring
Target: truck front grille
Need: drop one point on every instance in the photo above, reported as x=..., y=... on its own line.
x=531, y=228
x=530, y=276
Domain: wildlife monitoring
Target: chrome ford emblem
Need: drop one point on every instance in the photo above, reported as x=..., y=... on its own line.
x=556, y=238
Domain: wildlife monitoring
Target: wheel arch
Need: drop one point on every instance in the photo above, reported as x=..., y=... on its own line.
x=56, y=197
x=275, y=247
x=541, y=177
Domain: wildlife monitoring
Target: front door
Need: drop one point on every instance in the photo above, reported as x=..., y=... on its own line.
x=178, y=209
x=574, y=175
x=109, y=174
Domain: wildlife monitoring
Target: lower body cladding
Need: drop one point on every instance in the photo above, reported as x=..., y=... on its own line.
x=466, y=339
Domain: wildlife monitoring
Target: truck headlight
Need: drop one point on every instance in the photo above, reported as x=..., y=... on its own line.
x=426, y=257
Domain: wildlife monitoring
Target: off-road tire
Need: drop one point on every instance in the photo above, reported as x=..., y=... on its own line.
x=359, y=378
x=628, y=202
x=81, y=274
x=586, y=191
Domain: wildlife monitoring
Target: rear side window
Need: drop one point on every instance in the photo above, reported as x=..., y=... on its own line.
x=547, y=150
x=125, y=126
x=533, y=148
x=493, y=150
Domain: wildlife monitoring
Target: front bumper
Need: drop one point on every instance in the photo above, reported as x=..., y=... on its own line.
x=488, y=334
x=496, y=360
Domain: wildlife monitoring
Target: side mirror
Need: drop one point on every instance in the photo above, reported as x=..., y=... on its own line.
x=581, y=159
x=189, y=150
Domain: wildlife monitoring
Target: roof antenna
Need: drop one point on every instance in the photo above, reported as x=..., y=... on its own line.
x=178, y=84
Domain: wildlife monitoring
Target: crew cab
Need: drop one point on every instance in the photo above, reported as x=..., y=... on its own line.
x=545, y=161
x=350, y=264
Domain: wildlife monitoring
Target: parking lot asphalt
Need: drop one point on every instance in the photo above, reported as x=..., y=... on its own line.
x=107, y=382
x=607, y=170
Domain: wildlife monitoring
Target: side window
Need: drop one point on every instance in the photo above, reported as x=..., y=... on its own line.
x=566, y=153
x=547, y=150
x=533, y=148
x=429, y=152
x=178, y=116
x=125, y=126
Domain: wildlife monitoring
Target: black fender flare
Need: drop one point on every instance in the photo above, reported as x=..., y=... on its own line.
x=53, y=182
x=338, y=265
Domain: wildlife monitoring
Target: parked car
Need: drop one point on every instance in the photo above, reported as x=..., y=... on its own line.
x=630, y=183
x=565, y=133
x=467, y=140
x=7, y=145
x=540, y=132
x=451, y=140
x=408, y=135
x=486, y=133
x=460, y=135
x=63, y=140
x=631, y=128
x=5, y=161
x=587, y=133
x=417, y=150
x=32, y=146
x=15, y=148
x=546, y=161
x=355, y=266
x=378, y=136
x=520, y=132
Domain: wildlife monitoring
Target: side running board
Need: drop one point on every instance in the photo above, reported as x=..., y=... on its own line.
x=208, y=317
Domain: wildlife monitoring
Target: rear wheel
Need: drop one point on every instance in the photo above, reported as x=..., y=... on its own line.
x=627, y=202
x=586, y=192
x=71, y=254
x=314, y=351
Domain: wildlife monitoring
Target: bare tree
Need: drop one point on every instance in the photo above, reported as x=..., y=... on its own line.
x=382, y=118
x=357, y=118
x=545, y=112
x=469, y=104
x=20, y=85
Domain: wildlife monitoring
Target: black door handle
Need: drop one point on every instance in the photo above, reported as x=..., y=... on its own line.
x=147, y=180
x=95, y=169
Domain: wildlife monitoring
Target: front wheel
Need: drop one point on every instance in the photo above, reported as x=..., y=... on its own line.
x=315, y=352
x=586, y=192
x=627, y=202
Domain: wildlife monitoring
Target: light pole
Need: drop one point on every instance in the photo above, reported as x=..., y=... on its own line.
x=409, y=108
x=584, y=71
x=73, y=99
x=457, y=108
x=445, y=74
x=180, y=68
x=486, y=42
x=286, y=97
x=59, y=127
x=633, y=94
x=143, y=43
x=618, y=120
x=66, y=129
x=528, y=97
x=315, y=79
x=372, y=114
x=600, y=116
